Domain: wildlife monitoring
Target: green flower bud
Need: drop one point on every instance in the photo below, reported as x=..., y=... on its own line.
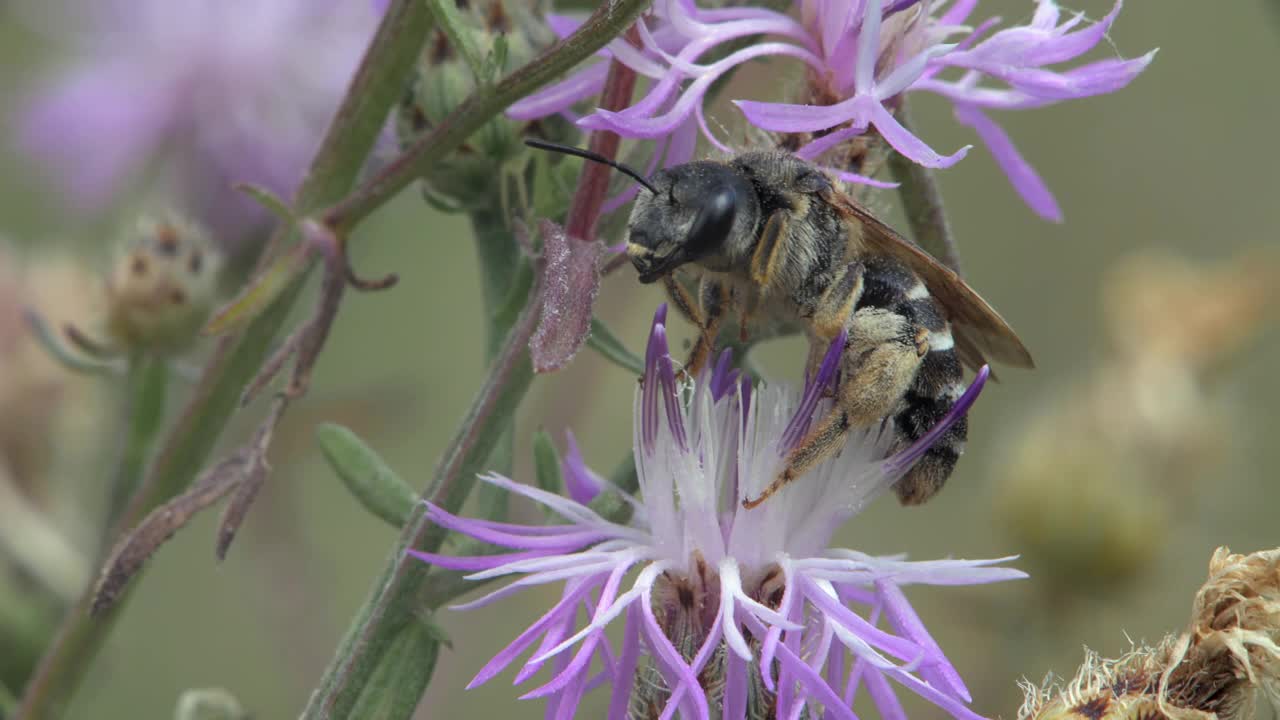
x=502, y=37
x=162, y=287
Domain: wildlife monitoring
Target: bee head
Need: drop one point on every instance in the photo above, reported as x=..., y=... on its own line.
x=704, y=212
x=701, y=212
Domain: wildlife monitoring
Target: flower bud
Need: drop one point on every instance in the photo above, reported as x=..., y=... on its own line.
x=506, y=36
x=162, y=287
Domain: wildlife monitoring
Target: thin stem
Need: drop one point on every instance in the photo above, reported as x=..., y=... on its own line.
x=922, y=201
x=607, y=22
x=393, y=605
x=374, y=89
x=147, y=388
x=593, y=183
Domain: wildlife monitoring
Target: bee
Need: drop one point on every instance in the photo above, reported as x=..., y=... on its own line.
x=771, y=238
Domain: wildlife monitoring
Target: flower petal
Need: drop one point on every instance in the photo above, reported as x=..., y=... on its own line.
x=1024, y=178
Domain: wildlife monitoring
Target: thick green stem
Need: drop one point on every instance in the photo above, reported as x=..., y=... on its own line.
x=147, y=390
x=922, y=201
x=393, y=606
x=375, y=88
x=500, y=262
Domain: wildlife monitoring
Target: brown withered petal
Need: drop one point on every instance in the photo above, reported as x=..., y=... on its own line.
x=571, y=271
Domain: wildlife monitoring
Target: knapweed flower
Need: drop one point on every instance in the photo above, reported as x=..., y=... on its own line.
x=861, y=57
x=219, y=92
x=726, y=611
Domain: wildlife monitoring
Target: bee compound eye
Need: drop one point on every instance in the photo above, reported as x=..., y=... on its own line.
x=714, y=222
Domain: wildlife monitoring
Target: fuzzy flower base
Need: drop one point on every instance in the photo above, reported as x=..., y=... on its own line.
x=726, y=611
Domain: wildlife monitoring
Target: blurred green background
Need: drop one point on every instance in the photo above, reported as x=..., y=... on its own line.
x=1184, y=159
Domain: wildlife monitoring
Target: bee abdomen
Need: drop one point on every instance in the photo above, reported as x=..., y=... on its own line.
x=935, y=390
x=937, y=383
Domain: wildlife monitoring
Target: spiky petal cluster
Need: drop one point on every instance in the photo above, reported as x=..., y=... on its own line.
x=218, y=92
x=772, y=605
x=861, y=56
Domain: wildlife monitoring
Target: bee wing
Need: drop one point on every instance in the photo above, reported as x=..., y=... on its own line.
x=979, y=331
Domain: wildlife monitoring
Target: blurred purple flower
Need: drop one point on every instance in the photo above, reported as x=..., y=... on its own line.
x=719, y=591
x=219, y=91
x=861, y=56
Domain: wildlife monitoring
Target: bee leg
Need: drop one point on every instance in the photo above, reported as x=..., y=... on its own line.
x=879, y=365
x=706, y=316
x=715, y=301
x=832, y=313
x=682, y=300
x=816, y=446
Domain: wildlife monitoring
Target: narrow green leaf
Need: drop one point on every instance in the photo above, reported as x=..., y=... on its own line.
x=496, y=59
x=546, y=463
x=402, y=674
x=52, y=344
x=461, y=37
x=378, y=488
x=261, y=292
x=603, y=341
x=148, y=389
x=270, y=201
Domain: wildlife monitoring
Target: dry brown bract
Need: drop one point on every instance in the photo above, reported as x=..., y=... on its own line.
x=1210, y=671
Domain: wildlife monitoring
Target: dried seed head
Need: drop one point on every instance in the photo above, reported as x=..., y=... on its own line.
x=163, y=286
x=1211, y=671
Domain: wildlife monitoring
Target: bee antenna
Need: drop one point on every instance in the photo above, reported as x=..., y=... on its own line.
x=593, y=156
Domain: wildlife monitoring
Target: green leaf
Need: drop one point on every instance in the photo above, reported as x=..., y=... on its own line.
x=461, y=37
x=603, y=341
x=49, y=340
x=270, y=201
x=402, y=673
x=495, y=61
x=261, y=291
x=546, y=463
x=378, y=488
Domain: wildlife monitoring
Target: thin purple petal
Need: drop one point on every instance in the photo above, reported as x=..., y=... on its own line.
x=568, y=604
x=581, y=481
x=1024, y=178
x=903, y=461
x=623, y=683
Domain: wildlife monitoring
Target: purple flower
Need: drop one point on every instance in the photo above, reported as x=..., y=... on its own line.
x=219, y=91
x=861, y=57
x=725, y=603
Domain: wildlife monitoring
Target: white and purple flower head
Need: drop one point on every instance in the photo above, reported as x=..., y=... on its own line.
x=723, y=607
x=862, y=56
x=219, y=91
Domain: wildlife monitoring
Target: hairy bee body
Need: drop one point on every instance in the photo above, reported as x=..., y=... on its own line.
x=771, y=238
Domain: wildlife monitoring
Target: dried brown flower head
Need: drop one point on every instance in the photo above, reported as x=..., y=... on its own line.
x=1209, y=672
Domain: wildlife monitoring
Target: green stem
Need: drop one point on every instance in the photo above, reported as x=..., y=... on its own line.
x=607, y=22
x=147, y=387
x=922, y=201
x=393, y=607
x=374, y=90
x=500, y=262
